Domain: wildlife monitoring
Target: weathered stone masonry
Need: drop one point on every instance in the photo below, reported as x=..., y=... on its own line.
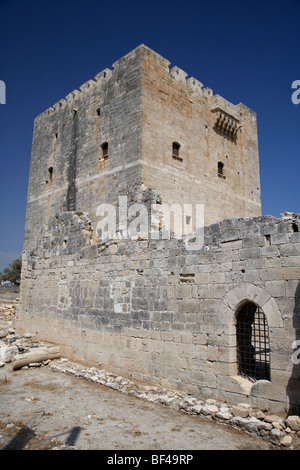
x=149, y=309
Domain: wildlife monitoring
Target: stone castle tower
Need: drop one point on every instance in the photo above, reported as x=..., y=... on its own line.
x=137, y=127
x=148, y=308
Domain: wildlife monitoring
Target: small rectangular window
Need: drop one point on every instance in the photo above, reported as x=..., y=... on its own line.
x=221, y=170
x=104, y=147
x=175, y=151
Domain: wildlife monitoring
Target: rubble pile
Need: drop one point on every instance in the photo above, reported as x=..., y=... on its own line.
x=7, y=311
x=22, y=351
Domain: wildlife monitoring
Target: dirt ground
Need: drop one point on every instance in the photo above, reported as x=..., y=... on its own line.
x=46, y=409
x=41, y=409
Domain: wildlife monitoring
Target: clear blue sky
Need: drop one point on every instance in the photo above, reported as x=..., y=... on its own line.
x=246, y=51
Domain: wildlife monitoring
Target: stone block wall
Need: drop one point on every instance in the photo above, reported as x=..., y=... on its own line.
x=152, y=311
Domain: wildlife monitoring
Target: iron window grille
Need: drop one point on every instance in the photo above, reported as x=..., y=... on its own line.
x=253, y=347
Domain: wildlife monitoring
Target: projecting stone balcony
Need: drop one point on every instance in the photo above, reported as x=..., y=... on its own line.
x=226, y=117
x=226, y=124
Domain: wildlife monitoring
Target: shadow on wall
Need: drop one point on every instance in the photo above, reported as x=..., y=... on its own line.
x=293, y=387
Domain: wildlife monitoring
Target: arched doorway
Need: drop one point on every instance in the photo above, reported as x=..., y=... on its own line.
x=253, y=348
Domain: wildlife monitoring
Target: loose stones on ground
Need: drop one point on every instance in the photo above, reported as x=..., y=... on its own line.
x=280, y=432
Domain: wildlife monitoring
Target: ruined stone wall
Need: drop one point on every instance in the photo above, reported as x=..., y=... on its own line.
x=152, y=311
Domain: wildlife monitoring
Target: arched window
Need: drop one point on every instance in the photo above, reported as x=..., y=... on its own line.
x=253, y=349
x=175, y=151
x=104, y=147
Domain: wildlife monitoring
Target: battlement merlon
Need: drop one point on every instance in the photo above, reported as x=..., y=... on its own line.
x=177, y=74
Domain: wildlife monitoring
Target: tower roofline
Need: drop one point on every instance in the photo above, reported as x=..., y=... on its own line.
x=193, y=84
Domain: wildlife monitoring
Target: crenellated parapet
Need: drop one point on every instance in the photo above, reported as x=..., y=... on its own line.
x=229, y=112
x=76, y=94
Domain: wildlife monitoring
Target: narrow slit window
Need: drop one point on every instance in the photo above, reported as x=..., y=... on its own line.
x=220, y=169
x=50, y=174
x=98, y=112
x=104, y=147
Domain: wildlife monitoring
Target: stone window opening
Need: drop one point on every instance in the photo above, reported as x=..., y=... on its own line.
x=221, y=170
x=295, y=227
x=176, y=151
x=104, y=147
x=55, y=142
x=50, y=175
x=98, y=111
x=253, y=348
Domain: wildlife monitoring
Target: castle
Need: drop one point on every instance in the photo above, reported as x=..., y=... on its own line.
x=219, y=319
